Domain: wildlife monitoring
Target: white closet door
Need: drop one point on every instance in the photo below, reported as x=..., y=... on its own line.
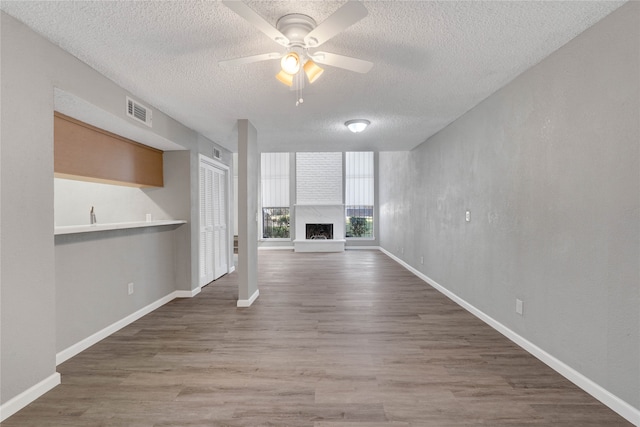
x=220, y=236
x=206, y=224
x=214, y=237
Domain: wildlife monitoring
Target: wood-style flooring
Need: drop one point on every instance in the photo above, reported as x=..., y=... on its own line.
x=343, y=339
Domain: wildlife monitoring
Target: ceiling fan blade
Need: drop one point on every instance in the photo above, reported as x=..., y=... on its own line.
x=249, y=59
x=346, y=62
x=257, y=21
x=350, y=13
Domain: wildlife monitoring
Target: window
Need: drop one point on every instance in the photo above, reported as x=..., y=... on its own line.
x=275, y=196
x=359, y=200
x=275, y=223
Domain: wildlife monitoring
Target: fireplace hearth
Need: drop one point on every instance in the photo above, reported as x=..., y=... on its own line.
x=319, y=231
x=319, y=228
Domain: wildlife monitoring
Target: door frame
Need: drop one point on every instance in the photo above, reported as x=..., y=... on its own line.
x=229, y=241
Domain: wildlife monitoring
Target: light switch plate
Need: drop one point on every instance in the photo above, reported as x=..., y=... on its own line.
x=519, y=306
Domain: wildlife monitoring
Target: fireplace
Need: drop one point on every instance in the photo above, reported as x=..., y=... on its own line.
x=319, y=231
x=319, y=228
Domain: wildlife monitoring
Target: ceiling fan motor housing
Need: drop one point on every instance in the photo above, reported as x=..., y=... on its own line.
x=295, y=27
x=299, y=33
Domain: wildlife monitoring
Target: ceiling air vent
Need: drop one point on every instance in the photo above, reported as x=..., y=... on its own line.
x=138, y=112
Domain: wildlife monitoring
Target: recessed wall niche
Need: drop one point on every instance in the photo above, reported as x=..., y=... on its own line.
x=87, y=153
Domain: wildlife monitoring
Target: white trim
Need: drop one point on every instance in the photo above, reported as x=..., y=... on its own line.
x=213, y=162
x=314, y=204
x=23, y=399
x=73, y=229
x=358, y=247
x=188, y=294
x=618, y=405
x=319, y=245
x=247, y=302
x=275, y=248
x=84, y=344
x=232, y=269
x=14, y=404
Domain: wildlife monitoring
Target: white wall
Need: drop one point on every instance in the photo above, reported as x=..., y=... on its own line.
x=319, y=178
x=549, y=168
x=112, y=203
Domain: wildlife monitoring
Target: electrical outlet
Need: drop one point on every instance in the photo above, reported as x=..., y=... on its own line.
x=422, y=260
x=130, y=288
x=402, y=251
x=467, y=216
x=519, y=306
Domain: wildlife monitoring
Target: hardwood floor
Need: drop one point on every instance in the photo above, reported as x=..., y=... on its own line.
x=343, y=339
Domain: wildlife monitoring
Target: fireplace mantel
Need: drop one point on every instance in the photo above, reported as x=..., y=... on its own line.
x=319, y=214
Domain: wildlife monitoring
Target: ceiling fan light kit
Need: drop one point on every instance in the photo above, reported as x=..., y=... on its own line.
x=285, y=78
x=312, y=70
x=290, y=63
x=299, y=33
x=357, y=125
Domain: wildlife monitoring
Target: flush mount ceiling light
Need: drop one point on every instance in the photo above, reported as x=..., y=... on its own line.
x=357, y=125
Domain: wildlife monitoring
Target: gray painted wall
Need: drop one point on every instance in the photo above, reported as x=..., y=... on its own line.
x=93, y=269
x=175, y=199
x=248, y=184
x=92, y=273
x=31, y=68
x=549, y=167
x=27, y=296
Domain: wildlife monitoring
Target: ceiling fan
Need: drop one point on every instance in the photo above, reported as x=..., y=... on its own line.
x=300, y=35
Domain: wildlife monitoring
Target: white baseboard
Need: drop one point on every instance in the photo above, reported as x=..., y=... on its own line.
x=618, y=405
x=188, y=294
x=23, y=399
x=84, y=344
x=32, y=393
x=364, y=248
x=247, y=302
x=275, y=248
x=232, y=269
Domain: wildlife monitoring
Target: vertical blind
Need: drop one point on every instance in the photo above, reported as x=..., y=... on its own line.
x=275, y=180
x=359, y=179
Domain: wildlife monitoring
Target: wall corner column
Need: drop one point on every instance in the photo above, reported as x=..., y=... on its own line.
x=248, y=178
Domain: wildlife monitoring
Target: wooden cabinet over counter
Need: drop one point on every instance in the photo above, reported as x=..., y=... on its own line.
x=87, y=153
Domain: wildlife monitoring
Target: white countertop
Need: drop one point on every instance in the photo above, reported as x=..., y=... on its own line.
x=72, y=229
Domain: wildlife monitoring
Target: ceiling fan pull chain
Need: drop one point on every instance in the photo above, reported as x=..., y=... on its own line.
x=299, y=82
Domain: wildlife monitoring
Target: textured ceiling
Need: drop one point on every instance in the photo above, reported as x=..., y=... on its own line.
x=433, y=61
